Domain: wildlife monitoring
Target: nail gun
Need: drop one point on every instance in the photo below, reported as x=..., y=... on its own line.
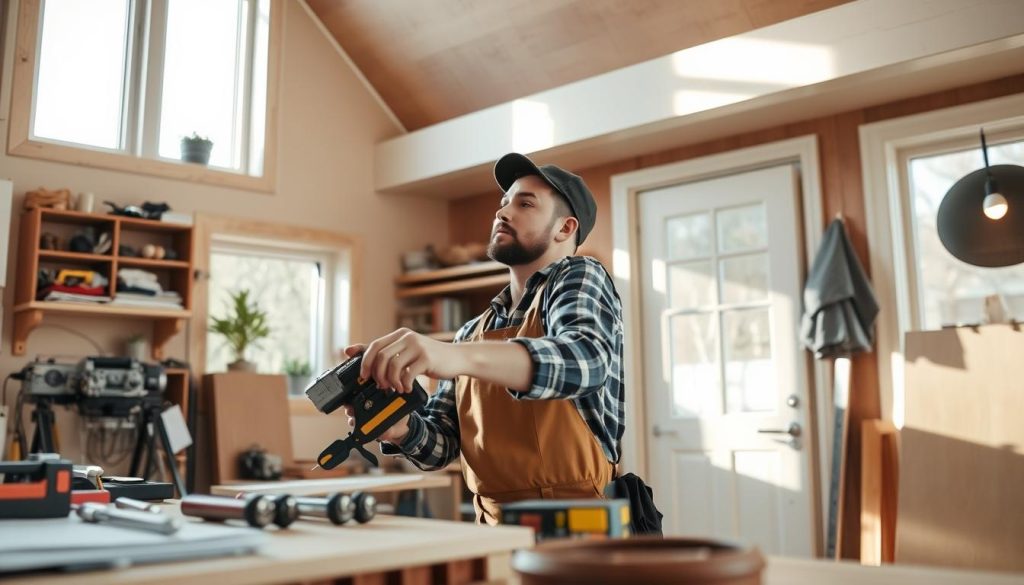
x=376, y=409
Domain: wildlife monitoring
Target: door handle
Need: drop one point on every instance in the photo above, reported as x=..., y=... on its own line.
x=792, y=430
x=658, y=431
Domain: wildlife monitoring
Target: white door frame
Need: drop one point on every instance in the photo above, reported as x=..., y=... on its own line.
x=885, y=199
x=626, y=246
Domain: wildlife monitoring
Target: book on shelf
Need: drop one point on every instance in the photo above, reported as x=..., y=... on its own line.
x=163, y=300
x=176, y=217
x=450, y=314
x=55, y=295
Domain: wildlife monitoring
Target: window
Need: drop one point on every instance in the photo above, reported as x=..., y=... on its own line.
x=296, y=286
x=909, y=165
x=115, y=80
x=950, y=292
x=81, y=86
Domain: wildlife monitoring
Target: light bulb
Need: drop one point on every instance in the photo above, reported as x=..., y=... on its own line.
x=995, y=206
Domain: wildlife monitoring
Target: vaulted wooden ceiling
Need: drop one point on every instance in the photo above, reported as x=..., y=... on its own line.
x=433, y=60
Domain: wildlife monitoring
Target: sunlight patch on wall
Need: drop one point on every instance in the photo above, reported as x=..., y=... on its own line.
x=532, y=126
x=689, y=101
x=746, y=60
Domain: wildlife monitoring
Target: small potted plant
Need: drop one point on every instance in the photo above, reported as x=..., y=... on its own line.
x=245, y=327
x=298, y=372
x=196, y=149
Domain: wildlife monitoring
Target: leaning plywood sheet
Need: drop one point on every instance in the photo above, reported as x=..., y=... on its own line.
x=247, y=410
x=962, y=449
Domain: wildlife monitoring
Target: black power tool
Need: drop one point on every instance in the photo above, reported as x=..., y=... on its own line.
x=376, y=409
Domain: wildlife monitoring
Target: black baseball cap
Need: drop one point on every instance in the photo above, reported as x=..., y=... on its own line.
x=514, y=165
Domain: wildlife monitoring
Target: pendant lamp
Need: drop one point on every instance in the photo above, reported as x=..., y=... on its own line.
x=981, y=218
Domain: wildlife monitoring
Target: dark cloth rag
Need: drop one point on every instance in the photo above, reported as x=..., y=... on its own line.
x=645, y=519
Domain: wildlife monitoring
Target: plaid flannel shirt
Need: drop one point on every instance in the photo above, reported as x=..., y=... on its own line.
x=578, y=359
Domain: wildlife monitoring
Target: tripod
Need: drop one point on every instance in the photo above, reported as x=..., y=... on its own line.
x=151, y=411
x=43, y=438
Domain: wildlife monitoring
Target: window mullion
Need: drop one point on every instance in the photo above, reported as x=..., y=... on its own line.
x=243, y=58
x=252, y=10
x=134, y=74
x=149, y=114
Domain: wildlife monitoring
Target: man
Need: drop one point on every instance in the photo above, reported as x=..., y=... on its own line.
x=531, y=391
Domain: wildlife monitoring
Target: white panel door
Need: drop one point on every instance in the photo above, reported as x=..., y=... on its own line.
x=724, y=376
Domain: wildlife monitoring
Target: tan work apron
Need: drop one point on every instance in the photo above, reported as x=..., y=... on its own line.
x=516, y=450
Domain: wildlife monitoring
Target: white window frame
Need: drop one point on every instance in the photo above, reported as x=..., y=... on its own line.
x=885, y=149
x=138, y=152
x=334, y=329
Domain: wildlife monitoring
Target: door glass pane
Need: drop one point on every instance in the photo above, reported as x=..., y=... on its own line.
x=952, y=292
x=689, y=236
x=690, y=285
x=744, y=278
x=80, y=89
x=694, y=365
x=742, y=228
x=201, y=78
x=747, y=353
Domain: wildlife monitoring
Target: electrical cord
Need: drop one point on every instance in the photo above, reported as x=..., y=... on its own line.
x=6, y=380
x=96, y=346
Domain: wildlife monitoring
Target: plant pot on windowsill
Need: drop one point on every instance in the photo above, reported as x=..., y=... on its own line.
x=196, y=149
x=243, y=366
x=297, y=385
x=298, y=372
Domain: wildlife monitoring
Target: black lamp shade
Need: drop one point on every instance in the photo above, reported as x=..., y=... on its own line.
x=969, y=234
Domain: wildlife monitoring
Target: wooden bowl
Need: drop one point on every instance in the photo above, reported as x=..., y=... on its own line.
x=652, y=561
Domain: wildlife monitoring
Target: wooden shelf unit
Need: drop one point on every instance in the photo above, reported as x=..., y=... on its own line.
x=474, y=284
x=177, y=274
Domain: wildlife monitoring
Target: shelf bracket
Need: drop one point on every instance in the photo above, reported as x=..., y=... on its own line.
x=24, y=323
x=163, y=331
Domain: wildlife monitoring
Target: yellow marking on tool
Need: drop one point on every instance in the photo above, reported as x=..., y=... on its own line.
x=382, y=415
x=323, y=460
x=624, y=516
x=588, y=520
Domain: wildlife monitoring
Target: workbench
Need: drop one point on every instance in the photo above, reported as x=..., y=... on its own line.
x=415, y=551
x=388, y=549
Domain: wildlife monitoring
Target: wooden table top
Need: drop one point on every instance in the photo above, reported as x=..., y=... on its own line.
x=316, y=487
x=790, y=571
x=311, y=550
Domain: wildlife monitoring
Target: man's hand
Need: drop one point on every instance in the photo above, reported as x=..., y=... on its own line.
x=396, y=434
x=395, y=360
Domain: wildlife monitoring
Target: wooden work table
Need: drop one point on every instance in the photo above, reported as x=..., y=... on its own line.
x=414, y=551
x=789, y=571
x=388, y=549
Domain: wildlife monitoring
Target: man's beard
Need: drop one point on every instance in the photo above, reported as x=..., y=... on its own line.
x=515, y=253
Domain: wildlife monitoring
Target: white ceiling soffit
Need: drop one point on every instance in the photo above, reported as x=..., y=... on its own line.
x=857, y=54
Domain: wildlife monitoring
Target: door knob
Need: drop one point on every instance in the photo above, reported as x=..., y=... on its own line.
x=792, y=430
x=658, y=431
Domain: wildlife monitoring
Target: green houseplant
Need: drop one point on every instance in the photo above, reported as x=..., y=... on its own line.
x=298, y=372
x=196, y=149
x=246, y=326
